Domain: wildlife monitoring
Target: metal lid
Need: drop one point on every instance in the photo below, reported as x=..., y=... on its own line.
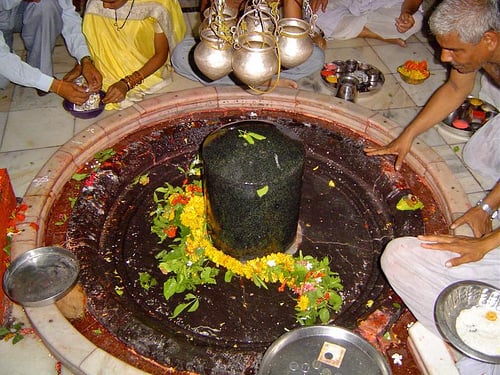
x=322, y=350
x=41, y=276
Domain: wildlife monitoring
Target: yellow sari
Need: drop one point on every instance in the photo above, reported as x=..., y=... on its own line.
x=121, y=43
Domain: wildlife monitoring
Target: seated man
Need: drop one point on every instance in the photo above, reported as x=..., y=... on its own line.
x=182, y=58
x=392, y=21
x=420, y=268
x=130, y=42
x=40, y=23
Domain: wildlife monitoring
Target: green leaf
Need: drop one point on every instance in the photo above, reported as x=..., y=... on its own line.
x=324, y=315
x=79, y=176
x=228, y=276
x=248, y=138
x=262, y=191
x=256, y=136
x=195, y=305
x=72, y=202
x=169, y=288
x=104, y=154
x=179, y=309
x=18, y=337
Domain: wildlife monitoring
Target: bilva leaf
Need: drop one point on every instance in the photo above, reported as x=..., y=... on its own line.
x=263, y=191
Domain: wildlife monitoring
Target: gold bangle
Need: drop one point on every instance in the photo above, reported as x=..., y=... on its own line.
x=125, y=80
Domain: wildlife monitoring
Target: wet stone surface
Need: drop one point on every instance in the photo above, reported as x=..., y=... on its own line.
x=347, y=212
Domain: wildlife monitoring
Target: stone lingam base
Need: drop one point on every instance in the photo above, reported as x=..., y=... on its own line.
x=347, y=213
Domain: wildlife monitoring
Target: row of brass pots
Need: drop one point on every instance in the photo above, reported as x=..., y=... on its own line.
x=254, y=55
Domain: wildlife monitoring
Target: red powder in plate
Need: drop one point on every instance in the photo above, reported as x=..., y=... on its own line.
x=460, y=124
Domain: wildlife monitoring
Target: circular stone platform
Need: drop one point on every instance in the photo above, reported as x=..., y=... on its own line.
x=61, y=337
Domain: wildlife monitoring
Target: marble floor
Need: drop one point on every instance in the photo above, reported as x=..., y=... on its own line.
x=33, y=127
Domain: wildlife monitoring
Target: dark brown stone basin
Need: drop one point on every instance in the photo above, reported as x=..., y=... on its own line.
x=109, y=230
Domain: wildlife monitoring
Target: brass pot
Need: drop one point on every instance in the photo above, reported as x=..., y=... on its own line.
x=222, y=24
x=294, y=43
x=212, y=55
x=254, y=59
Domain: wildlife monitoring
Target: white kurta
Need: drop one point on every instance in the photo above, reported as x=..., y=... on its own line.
x=345, y=19
x=482, y=151
x=418, y=275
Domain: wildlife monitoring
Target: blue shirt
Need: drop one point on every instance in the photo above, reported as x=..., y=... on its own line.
x=18, y=71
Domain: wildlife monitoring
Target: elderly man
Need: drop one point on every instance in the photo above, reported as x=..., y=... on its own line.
x=419, y=268
x=40, y=23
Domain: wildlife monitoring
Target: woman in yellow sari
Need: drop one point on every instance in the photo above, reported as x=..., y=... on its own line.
x=130, y=42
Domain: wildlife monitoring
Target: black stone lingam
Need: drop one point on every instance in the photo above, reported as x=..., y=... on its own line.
x=252, y=181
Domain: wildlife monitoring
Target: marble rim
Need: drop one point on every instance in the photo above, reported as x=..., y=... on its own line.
x=65, y=342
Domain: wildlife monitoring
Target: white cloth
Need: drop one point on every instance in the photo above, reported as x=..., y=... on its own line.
x=418, y=275
x=482, y=152
x=345, y=19
x=17, y=71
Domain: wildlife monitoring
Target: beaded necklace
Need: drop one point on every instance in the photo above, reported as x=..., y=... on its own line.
x=126, y=18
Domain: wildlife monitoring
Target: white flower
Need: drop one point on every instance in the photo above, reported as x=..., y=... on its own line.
x=271, y=263
x=189, y=263
x=397, y=359
x=309, y=266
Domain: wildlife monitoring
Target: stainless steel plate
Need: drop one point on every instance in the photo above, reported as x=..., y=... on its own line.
x=457, y=297
x=322, y=350
x=41, y=276
x=464, y=112
x=370, y=78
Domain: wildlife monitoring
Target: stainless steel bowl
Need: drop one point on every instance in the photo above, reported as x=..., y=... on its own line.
x=460, y=296
x=322, y=350
x=462, y=112
x=41, y=276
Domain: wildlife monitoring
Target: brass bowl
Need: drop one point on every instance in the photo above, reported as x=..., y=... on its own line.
x=410, y=80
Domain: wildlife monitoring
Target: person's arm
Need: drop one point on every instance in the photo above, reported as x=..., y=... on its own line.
x=444, y=101
x=292, y=9
x=478, y=217
x=405, y=21
x=77, y=45
x=117, y=91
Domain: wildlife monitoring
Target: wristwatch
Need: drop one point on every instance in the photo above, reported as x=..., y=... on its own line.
x=486, y=208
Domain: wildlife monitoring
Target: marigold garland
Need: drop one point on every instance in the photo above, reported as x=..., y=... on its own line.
x=192, y=259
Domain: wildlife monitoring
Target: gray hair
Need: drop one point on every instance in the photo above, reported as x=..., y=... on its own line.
x=470, y=19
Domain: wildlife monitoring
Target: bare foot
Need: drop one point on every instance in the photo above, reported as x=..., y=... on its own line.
x=283, y=82
x=400, y=42
x=367, y=33
x=319, y=40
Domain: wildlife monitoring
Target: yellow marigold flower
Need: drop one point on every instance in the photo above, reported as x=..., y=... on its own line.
x=303, y=303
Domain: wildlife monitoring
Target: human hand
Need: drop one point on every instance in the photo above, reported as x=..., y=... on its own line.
x=70, y=91
x=116, y=93
x=91, y=75
x=477, y=219
x=318, y=4
x=404, y=22
x=399, y=146
x=470, y=249
x=73, y=73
